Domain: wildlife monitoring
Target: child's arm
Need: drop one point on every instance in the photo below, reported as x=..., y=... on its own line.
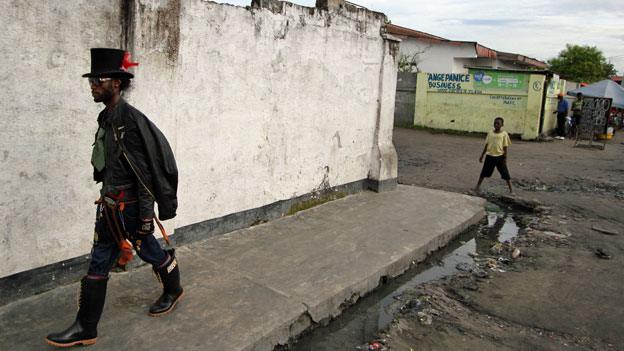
x=505, y=146
x=483, y=153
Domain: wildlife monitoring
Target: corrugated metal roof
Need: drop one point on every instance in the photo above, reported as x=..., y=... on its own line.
x=521, y=59
x=483, y=51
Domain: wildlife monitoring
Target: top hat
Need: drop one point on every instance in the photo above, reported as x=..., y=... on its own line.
x=110, y=63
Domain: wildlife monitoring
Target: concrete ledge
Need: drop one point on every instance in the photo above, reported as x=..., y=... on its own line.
x=258, y=287
x=383, y=185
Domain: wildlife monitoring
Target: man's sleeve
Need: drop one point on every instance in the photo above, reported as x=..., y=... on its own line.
x=506, y=140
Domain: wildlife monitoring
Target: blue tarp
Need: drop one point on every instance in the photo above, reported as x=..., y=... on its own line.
x=605, y=88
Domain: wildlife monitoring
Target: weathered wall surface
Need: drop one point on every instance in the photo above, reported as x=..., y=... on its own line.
x=47, y=122
x=260, y=104
x=465, y=103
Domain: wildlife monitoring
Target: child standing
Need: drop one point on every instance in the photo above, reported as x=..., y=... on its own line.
x=495, y=152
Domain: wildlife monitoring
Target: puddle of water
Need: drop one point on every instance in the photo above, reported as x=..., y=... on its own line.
x=361, y=323
x=509, y=230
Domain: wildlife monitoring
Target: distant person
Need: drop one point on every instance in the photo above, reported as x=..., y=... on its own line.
x=495, y=152
x=577, y=111
x=562, y=112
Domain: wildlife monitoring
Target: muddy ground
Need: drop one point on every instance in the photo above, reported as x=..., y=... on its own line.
x=565, y=290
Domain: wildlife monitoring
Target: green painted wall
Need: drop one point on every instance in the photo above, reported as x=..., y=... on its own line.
x=470, y=102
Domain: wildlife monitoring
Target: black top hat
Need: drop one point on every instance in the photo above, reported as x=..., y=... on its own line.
x=110, y=63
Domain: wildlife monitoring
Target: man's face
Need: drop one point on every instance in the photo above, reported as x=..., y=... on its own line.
x=102, y=89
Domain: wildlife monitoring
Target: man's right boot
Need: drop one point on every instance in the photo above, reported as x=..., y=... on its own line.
x=90, y=306
x=169, y=277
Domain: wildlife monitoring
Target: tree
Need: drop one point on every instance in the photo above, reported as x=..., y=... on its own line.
x=408, y=63
x=581, y=64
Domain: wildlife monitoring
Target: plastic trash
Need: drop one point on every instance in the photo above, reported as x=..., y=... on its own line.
x=376, y=346
x=504, y=260
x=516, y=253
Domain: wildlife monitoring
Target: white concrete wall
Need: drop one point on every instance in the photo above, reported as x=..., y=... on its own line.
x=47, y=123
x=438, y=57
x=258, y=106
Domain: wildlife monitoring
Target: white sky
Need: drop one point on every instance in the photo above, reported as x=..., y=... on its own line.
x=535, y=28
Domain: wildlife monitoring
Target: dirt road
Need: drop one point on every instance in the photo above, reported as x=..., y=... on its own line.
x=565, y=291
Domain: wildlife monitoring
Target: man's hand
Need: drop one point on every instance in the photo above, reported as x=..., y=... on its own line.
x=481, y=159
x=147, y=226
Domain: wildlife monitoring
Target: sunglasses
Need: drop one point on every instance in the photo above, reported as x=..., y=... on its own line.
x=97, y=81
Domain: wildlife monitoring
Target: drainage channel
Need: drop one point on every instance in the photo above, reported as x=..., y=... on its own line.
x=362, y=322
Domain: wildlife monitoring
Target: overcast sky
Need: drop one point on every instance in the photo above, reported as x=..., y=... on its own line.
x=535, y=28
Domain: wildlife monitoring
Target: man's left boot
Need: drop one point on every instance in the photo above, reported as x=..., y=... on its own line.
x=90, y=306
x=169, y=277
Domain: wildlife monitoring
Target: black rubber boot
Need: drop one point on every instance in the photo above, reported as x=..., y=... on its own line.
x=169, y=277
x=90, y=306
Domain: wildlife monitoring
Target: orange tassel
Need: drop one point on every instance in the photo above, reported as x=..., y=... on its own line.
x=126, y=254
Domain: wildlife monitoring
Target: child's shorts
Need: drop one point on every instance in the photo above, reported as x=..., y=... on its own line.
x=495, y=161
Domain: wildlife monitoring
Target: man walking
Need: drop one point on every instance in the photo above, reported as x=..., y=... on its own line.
x=562, y=112
x=134, y=162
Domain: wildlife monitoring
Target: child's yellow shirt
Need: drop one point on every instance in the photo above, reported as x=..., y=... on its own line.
x=495, y=143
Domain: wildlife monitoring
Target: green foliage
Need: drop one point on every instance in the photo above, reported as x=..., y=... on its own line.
x=581, y=64
x=315, y=201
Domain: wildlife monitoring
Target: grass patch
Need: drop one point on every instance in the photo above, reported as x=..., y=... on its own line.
x=315, y=201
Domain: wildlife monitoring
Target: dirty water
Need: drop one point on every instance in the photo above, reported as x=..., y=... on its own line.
x=362, y=322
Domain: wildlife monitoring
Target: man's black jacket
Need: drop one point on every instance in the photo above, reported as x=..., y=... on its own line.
x=150, y=164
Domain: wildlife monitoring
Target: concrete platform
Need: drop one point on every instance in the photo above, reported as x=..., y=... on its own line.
x=254, y=288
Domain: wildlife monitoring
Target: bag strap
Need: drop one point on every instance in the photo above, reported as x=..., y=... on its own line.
x=124, y=152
